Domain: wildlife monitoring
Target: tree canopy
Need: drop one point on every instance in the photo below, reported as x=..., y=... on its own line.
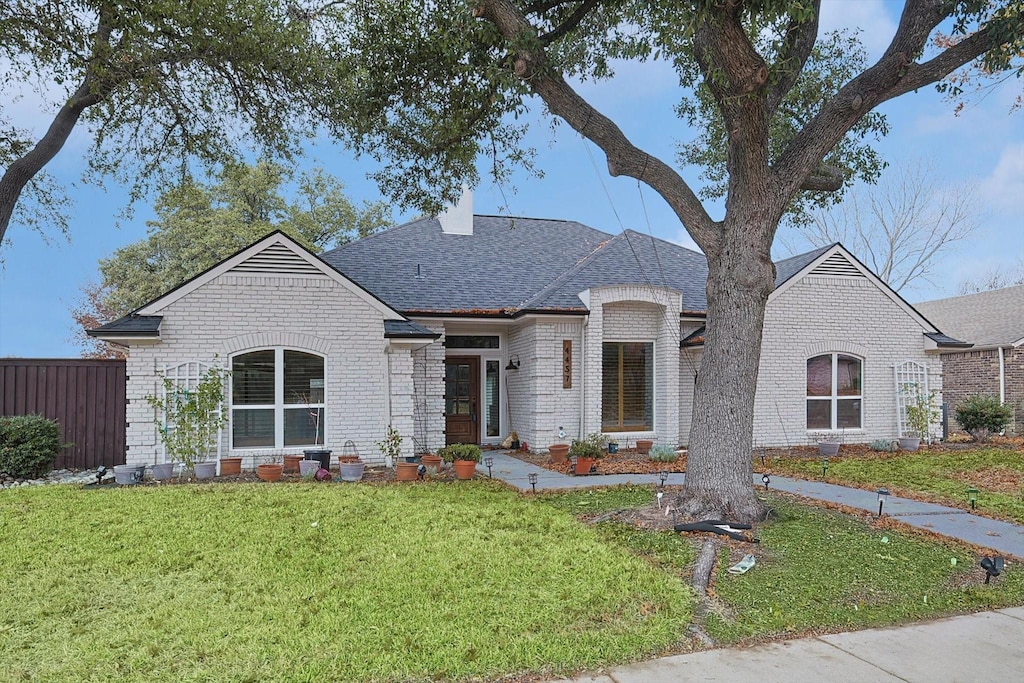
x=438, y=83
x=157, y=86
x=198, y=225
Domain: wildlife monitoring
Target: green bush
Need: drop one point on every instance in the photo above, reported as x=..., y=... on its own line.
x=461, y=451
x=885, y=445
x=664, y=453
x=28, y=445
x=592, y=446
x=983, y=415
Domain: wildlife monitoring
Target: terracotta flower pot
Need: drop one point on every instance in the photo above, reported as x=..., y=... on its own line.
x=269, y=472
x=291, y=462
x=559, y=452
x=464, y=469
x=643, y=446
x=432, y=461
x=583, y=465
x=229, y=466
x=406, y=471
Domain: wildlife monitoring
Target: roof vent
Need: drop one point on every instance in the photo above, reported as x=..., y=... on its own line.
x=837, y=264
x=458, y=220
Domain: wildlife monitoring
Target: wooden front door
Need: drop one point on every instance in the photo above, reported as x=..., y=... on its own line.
x=462, y=399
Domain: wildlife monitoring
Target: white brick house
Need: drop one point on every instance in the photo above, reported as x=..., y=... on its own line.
x=464, y=328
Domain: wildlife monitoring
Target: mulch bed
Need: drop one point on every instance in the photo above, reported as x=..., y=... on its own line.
x=626, y=461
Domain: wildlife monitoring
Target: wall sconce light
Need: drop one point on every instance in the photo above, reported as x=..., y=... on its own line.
x=532, y=476
x=883, y=495
x=513, y=362
x=972, y=496
x=489, y=461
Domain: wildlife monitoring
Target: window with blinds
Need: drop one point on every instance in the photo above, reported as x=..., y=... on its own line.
x=277, y=398
x=627, y=386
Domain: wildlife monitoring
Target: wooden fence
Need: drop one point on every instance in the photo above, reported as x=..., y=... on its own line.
x=87, y=398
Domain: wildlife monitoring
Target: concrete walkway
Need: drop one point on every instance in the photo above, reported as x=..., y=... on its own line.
x=1001, y=537
x=988, y=646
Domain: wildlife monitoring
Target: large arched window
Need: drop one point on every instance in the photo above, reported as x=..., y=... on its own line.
x=834, y=392
x=277, y=399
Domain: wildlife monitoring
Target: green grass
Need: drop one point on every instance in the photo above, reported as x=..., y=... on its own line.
x=308, y=582
x=941, y=476
x=818, y=570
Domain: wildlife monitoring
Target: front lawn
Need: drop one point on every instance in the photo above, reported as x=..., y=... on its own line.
x=939, y=475
x=251, y=582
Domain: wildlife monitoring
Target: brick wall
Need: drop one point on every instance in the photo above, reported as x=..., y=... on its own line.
x=238, y=312
x=966, y=373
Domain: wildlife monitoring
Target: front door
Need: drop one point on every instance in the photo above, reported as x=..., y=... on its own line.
x=462, y=399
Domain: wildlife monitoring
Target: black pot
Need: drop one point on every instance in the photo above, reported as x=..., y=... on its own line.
x=415, y=458
x=515, y=444
x=321, y=454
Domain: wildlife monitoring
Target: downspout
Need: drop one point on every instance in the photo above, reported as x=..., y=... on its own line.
x=387, y=381
x=583, y=375
x=1002, y=378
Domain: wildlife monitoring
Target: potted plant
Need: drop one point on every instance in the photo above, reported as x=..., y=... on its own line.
x=391, y=448
x=921, y=413
x=188, y=420
x=464, y=457
x=586, y=451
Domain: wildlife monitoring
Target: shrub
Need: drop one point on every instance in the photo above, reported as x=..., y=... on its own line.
x=28, y=445
x=983, y=415
x=885, y=445
x=461, y=451
x=592, y=446
x=663, y=453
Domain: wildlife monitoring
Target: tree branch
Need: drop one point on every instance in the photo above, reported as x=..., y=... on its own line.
x=569, y=24
x=624, y=158
x=796, y=50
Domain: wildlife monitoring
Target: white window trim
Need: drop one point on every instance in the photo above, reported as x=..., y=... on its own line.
x=834, y=398
x=278, y=406
x=640, y=433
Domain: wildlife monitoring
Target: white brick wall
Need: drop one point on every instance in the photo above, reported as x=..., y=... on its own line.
x=428, y=392
x=235, y=312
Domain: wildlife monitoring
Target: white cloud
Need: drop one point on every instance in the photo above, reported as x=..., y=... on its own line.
x=1003, y=189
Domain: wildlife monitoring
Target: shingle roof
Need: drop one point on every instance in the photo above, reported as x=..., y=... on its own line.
x=787, y=268
x=992, y=318
x=130, y=326
x=405, y=328
x=945, y=341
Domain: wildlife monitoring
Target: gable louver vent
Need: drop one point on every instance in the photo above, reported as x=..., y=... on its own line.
x=279, y=260
x=837, y=264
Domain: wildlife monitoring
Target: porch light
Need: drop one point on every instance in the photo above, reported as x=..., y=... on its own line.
x=513, y=364
x=489, y=461
x=972, y=496
x=883, y=495
x=824, y=466
x=663, y=475
x=766, y=480
x=532, y=476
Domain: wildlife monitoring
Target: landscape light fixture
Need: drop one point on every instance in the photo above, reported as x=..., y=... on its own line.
x=489, y=461
x=100, y=472
x=572, y=461
x=824, y=466
x=883, y=495
x=766, y=480
x=972, y=495
x=532, y=476
x=513, y=364
x=663, y=475
x=993, y=566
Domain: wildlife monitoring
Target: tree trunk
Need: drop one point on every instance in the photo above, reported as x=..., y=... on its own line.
x=719, y=472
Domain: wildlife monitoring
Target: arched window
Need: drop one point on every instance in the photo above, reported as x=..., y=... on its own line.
x=277, y=399
x=834, y=392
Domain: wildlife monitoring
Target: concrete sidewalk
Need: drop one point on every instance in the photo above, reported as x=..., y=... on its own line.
x=988, y=646
x=1002, y=537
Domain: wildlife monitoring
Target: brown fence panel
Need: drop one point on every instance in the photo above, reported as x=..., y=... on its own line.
x=87, y=398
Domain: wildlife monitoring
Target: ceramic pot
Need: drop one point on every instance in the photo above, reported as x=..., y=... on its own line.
x=432, y=461
x=205, y=470
x=829, y=448
x=230, y=466
x=307, y=468
x=406, y=471
x=352, y=471
x=128, y=474
x=291, y=463
x=464, y=469
x=321, y=454
x=269, y=472
x=163, y=470
x=643, y=446
x=583, y=465
x=559, y=452
x=909, y=443
x=613, y=447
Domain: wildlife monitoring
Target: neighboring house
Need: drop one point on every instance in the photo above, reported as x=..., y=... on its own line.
x=463, y=328
x=994, y=323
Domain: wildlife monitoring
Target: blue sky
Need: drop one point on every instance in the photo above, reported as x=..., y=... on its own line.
x=41, y=277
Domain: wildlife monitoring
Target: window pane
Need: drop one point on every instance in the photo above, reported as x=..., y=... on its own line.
x=819, y=376
x=628, y=386
x=848, y=413
x=303, y=426
x=252, y=378
x=303, y=378
x=610, y=386
x=462, y=341
x=252, y=428
x=848, y=376
x=491, y=397
x=819, y=414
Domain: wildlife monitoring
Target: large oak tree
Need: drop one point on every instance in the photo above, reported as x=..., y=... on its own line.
x=438, y=82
